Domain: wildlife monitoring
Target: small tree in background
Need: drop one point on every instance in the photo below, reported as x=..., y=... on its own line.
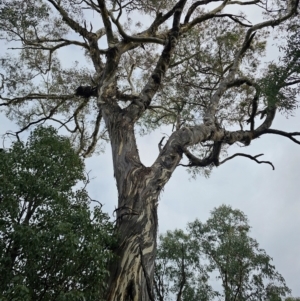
x=52, y=247
x=220, y=247
x=179, y=270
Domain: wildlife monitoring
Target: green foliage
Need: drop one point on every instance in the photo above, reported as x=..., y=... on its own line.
x=178, y=269
x=52, y=247
x=38, y=78
x=188, y=262
x=279, y=83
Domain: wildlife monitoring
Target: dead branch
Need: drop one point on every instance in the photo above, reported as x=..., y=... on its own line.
x=254, y=158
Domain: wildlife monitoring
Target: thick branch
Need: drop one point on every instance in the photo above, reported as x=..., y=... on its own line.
x=162, y=66
x=187, y=26
x=91, y=37
x=160, y=19
x=281, y=133
x=193, y=8
x=107, y=24
x=212, y=158
x=241, y=81
x=74, y=25
x=199, y=3
x=180, y=140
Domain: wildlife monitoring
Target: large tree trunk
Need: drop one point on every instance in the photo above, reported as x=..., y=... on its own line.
x=131, y=273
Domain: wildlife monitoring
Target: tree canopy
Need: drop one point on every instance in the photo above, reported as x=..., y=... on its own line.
x=213, y=62
x=52, y=245
x=106, y=70
x=221, y=248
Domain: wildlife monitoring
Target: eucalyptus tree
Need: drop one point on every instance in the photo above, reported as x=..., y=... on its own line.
x=180, y=271
x=221, y=248
x=244, y=269
x=193, y=66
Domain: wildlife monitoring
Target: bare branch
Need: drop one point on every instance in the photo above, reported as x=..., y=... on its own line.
x=234, y=18
x=95, y=137
x=41, y=120
x=291, y=83
x=162, y=65
x=74, y=25
x=204, y=17
x=281, y=133
x=254, y=158
x=17, y=100
x=111, y=40
x=137, y=39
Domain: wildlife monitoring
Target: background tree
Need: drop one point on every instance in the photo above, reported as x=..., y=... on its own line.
x=179, y=271
x=195, y=67
x=52, y=247
x=220, y=248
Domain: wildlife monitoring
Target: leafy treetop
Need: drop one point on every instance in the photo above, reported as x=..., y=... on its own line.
x=175, y=63
x=52, y=246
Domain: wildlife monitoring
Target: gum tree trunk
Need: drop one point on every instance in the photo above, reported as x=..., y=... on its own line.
x=131, y=274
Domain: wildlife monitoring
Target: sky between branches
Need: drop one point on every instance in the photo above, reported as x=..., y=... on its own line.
x=270, y=199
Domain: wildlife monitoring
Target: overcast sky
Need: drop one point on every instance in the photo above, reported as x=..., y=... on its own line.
x=269, y=198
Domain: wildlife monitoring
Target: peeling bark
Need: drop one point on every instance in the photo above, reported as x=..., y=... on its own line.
x=132, y=273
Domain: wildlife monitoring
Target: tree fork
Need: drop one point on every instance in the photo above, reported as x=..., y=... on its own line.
x=131, y=273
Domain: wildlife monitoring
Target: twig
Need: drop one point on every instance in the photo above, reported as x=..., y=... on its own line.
x=160, y=143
